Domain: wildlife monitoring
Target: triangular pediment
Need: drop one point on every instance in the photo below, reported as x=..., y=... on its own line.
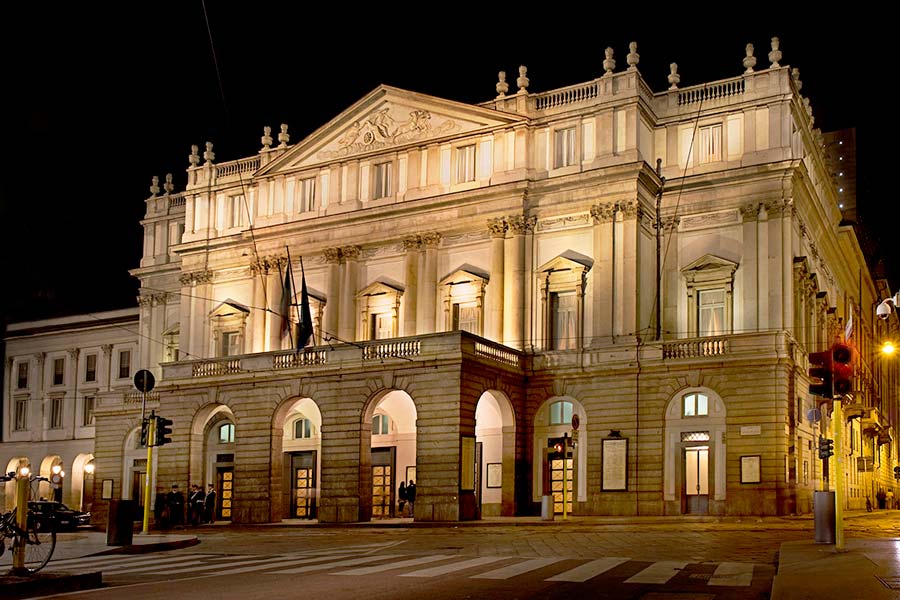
x=465, y=274
x=379, y=288
x=384, y=120
x=567, y=261
x=229, y=308
x=709, y=262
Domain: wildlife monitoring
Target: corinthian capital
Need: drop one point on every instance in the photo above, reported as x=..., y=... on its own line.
x=603, y=213
x=203, y=276
x=350, y=252
x=186, y=279
x=520, y=224
x=411, y=243
x=497, y=227
x=430, y=239
x=332, y=255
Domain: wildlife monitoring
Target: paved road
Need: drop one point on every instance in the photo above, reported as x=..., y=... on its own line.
x=646, y=561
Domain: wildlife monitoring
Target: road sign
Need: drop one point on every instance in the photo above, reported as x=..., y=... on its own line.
x=144, y=380
x=575, y=422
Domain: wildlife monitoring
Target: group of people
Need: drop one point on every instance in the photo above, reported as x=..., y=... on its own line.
x=406, y=497
x=201, y=507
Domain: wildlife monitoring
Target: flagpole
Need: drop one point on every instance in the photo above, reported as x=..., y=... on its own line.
x=287, y=315
x=293, y=288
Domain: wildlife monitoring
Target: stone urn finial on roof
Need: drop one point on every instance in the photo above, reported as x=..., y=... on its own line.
x=502, y=87
x=609, y=63
x=209, y=155
x=749, y=60
x=266, y=138
x=674, y=78
x=194, y=156
x=775, y=54
x=795, y=75
x=522, y=81
x=283, y=137
x=154, y=185
x=633, y=57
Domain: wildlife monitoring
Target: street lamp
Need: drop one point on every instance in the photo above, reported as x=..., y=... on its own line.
x=888, y=348
x=89, y=468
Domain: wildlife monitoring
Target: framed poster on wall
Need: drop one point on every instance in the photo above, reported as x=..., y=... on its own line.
x=750, y=469
x=467, y=464
x=495, y=475
x=107, y=492
x=615, y=465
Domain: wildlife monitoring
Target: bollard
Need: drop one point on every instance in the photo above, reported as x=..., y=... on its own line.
x=18, y=557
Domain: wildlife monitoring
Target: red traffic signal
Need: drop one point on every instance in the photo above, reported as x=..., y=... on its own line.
x=842, y=368
x=820, y=373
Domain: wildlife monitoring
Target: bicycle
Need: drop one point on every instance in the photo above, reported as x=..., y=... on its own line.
x=38, y=537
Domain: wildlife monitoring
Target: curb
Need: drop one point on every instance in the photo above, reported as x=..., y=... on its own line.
x=151, y=547
x=44, y=584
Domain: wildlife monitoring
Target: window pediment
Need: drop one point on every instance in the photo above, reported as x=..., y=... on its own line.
x=569, y=265
x=709, y=268
x=229, y=308
x=380, y=288
x=466, y=274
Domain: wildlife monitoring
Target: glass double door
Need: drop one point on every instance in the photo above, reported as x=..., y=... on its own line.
x=696, y=480
x=382, y=482
x=303, y=485
x=562, y=475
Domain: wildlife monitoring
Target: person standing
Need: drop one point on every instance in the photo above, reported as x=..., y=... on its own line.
x=411, y=497
x=209, y=505
x=196, y=504
x=175, y=500
x=401, y=497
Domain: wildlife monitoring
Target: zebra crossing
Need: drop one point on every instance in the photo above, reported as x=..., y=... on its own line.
x=367, y=561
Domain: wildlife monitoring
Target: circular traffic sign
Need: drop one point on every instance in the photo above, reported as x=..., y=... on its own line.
x=575, y=422
x=144, y=380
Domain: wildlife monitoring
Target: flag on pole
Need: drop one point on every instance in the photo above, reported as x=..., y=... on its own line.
x=848, y=331
x=305, y=330
x=287, y=293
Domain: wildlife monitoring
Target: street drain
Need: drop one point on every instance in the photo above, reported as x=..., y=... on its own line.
x=703, y=576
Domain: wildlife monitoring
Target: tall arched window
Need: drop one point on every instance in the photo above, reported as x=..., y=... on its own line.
x=226, y=433
x=561, y=413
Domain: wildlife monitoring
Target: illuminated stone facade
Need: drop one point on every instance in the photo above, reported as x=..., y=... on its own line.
x=478, y=274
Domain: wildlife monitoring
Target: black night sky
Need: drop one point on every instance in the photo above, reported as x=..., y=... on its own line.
x=99, y=99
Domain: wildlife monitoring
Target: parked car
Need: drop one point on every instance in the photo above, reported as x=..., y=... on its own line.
x=65, y=518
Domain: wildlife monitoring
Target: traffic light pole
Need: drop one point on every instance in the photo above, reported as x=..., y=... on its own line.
x=151, y=439
x=837, y=423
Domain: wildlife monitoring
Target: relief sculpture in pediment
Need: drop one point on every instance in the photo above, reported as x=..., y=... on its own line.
x=381, y=130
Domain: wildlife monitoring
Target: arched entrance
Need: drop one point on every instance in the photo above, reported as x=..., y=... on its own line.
x=48, y=490
x=560, y=461
x=694, y=469
x=212, y=460
x=391, y=448
x=302, y=450
x=82, y=478
x=495, y=457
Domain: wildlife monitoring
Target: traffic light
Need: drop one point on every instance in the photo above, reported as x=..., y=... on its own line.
x=820, y=373
x=896, y=472
x=145, y=431
x=163, y=428
x=826, y=447
x=842, y=368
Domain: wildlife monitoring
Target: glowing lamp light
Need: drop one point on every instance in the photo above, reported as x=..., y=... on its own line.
x=888, y=348
x=56, y=469
x=89, y=468
x=24, y=471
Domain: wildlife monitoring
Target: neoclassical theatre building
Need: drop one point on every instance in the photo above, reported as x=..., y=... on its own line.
x=602, y=294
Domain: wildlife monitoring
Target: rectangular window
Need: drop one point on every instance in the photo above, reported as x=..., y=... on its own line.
x=302, y=429
x=306, y=194
x=563, y=326
x=22, y=379
x=465, y=317
x=90, y=367
x=59, y=371
x=87, y=411
x=236, y=211
x=465, y=164
x=380, y=425
x=696, y=405
x=710, y=144
x=710, y=312
x=21, y=422
x=124, y=364
x=231, y=343
x=381, y=187
x=564, y=147
x=56, y=412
